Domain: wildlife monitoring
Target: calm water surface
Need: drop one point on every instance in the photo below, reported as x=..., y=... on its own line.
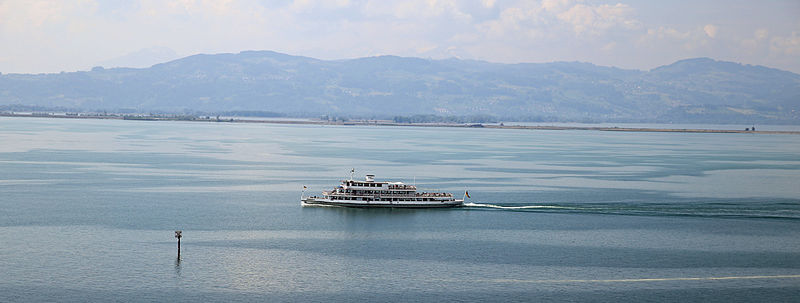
x=88, y=209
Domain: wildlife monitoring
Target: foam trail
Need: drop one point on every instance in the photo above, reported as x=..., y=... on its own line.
x=514, y=207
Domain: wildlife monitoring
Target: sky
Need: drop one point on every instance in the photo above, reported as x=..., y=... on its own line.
x=50, y=36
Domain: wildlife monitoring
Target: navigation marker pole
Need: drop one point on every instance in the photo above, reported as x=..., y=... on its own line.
x=178, y=235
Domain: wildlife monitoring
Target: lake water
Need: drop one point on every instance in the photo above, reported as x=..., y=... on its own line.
x=88, y=210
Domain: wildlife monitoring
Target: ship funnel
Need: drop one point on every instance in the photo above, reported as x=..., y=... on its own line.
x=370, y=178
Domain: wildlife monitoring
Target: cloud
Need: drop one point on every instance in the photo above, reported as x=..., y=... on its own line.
x=761, y=34
x=555, y=5
x=786, y=45
x=710, y=30
x=609, y=47
x=756, y=43
x=691, y=41
x=511, y=21
x=35, y=14
x=558, y=20
x=599, y=18
x=415, y=9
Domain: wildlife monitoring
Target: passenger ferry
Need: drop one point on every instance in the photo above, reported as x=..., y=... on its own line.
x=371, y=193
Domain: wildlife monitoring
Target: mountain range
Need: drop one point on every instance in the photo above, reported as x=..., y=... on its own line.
x=699, y=90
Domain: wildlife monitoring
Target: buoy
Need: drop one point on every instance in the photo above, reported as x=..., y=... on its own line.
x=178, y=235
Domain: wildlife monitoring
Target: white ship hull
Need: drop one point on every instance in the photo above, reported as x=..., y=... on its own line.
x=310, y=201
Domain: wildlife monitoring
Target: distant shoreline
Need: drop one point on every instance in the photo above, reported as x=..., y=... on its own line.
x=384, y=123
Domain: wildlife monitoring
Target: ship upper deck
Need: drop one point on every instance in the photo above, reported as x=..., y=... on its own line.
x=353, y=184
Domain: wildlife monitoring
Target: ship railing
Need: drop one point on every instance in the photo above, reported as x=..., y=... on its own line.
x=434, y=195
x=402, y=187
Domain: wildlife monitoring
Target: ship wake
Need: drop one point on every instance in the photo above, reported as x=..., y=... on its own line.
x=790, y=211
x=482, y=205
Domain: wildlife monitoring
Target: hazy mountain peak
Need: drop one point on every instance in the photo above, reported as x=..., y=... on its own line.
x=145, y=57
x=705, y=65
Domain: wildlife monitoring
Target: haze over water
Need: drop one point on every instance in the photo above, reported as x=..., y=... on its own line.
x=88, y=209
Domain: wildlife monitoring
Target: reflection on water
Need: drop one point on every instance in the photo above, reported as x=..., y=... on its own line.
x=178, y=266
x=372, y=219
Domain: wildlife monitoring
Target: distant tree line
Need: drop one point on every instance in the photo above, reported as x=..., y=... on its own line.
x=33, y=108
x=331, y=118
x=445, y=119
x=245, y=113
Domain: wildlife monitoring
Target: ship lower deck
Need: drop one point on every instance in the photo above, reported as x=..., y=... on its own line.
x=383, y=204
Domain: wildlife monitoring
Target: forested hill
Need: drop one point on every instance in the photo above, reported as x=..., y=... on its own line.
x=698, y=90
